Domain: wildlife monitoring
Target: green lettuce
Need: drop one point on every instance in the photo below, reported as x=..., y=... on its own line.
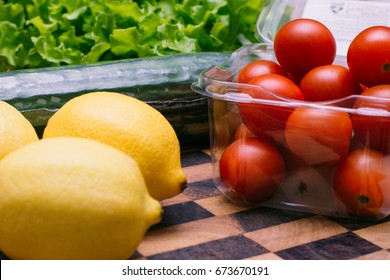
x=41, y=33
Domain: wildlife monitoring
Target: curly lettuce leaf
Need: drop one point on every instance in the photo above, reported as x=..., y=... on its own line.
x=40, y=33
x=124, y=42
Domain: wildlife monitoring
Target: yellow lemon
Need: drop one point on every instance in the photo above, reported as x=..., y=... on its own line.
x=15, y=130
x=73, y=198
x=131, y=126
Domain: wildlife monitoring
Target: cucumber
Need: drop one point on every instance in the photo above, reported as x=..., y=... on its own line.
x=163, y=82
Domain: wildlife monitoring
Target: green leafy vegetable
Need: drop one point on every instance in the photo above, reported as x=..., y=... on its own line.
x=41, y=33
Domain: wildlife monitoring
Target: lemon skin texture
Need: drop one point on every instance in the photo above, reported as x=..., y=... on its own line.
x=15, y=130
x=73, y=198
x=131, y=126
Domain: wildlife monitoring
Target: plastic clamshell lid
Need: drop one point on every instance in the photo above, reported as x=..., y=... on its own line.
x=345, y=18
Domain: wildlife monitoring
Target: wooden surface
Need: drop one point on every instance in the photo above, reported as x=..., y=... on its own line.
x=201, y=224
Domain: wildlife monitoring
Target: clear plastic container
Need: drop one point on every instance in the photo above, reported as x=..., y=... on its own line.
x=307, y=181
x=344, y=18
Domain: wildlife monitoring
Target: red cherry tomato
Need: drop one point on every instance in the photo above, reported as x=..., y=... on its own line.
x=277, y=85
x=328, y=82
x=370, y=128
x=303, y=44
x=268, y=121
x=306, y=187
x=251, y=170
x=318, y=136
x=258, y=68
x=368, y=56
x=361, y=180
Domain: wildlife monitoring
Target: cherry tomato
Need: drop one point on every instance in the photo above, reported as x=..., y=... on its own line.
x=268, y=121
x=368, y=56
x=306, y=187
x=361, y=180
x=278, y=85
x=318, y=136
x=303, y=44
x=251, y=170
x=328, y=82
x=370, y=128
x=258, y=68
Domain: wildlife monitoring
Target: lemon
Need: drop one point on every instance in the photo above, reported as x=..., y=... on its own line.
x=15, y=130
x=131, y=126
x=73, y=198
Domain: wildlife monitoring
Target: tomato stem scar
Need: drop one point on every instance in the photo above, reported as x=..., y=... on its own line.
x=302, y=187
x=363, y=199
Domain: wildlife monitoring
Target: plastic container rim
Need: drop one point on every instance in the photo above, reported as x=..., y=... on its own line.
x=221, y=78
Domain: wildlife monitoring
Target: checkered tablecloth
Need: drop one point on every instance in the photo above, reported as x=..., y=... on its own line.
x=202, y=224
